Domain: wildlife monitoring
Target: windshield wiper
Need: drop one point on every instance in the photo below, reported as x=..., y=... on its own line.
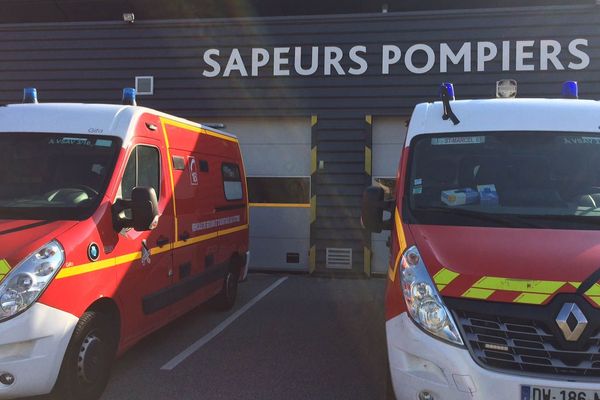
x=501, y=219
x=564, y=217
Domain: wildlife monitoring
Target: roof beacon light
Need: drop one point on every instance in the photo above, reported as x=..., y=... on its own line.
x=570, y=90
x=30, y=95
x=129, y=97
x=449, y=89
x=506, y=89
x=447, y=95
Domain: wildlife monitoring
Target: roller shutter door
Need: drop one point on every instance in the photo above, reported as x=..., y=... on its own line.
x=277, y=158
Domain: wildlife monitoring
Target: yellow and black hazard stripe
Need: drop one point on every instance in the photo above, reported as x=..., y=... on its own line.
x=312, y=256
x=367, y=247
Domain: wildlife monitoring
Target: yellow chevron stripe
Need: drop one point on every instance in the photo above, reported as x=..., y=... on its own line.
x=444, y=277
x=480, y=294
x=594, y=290
x=531, y=298
x=4, y=267
x=518, y=285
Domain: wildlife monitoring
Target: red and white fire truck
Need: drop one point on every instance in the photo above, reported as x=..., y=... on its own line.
x=495, y=254
x=114, y=220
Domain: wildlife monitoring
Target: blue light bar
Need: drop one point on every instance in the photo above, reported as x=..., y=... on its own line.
x=450, y=88
x=129, y=97
x=570, y=90
x=30, y=95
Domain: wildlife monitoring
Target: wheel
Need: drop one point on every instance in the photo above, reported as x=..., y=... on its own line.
x=226, y=297
x=86, y=366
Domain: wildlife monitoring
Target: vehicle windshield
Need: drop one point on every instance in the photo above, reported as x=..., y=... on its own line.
x=54, y=176
x=516, y=179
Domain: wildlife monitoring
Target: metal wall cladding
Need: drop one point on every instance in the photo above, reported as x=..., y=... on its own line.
x=92, y=62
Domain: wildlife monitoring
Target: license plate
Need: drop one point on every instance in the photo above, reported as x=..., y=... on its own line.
x=554, y=393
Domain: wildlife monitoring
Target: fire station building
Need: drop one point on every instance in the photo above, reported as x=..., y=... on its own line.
x=320, y=104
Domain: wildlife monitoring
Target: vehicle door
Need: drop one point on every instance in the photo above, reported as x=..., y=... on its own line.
x=145, y=283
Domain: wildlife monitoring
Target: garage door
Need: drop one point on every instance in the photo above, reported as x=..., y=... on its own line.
x=388, y=139
x=277, y=158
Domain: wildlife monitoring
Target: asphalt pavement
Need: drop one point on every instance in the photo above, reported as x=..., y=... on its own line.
x=288, y=337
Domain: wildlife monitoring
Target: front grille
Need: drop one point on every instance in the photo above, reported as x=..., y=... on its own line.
x=527, y=345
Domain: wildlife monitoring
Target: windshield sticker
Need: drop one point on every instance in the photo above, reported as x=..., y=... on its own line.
x=458, y=140
x=418, y=190
x=418, y=181
x=71, y=141
x=581, y=140
x=103, y=143
x=97, y=169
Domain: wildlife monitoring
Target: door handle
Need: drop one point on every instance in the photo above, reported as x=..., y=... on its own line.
x=184, y=236
x=161, y=241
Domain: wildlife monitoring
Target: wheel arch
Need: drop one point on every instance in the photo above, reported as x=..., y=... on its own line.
x=109, y=307
x=236, y=263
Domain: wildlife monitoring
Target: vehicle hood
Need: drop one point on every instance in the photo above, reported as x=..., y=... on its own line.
x=21, y=237
x=509, y=264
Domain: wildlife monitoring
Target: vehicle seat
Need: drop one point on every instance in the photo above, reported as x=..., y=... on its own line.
x=533, y=186
x=437, y=175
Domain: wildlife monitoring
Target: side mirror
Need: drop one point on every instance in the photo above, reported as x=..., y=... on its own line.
x=144, y=210
x=373, y=206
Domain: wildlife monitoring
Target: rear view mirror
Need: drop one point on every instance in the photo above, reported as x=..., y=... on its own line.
x=373, y=206
x=144, y=210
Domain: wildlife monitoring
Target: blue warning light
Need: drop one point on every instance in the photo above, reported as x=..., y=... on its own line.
x=449, y=88
x=570, y=90
x=129, y=97
x=30, y=95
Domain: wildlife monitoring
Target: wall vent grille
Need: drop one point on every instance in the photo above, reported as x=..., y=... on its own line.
x=144, y=85
x=339, y=258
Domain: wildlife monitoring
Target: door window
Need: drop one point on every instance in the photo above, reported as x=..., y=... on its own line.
x=232, y=181
x=143, y=169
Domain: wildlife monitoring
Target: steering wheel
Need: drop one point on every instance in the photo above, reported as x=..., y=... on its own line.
x=90, y=191
x=72, y=194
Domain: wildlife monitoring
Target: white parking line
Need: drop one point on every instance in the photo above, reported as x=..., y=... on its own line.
x=175, y=361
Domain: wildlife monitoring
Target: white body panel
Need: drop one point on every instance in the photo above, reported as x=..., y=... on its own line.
x=507, y=115
x=419, y=362
x=32, y=347
x=85, y=119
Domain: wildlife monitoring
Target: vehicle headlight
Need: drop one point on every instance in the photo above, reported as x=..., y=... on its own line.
x=25, y=283
x=423, y=301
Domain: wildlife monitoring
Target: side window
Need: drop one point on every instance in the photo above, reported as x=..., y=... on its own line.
x=232, y=181
x=143, y=169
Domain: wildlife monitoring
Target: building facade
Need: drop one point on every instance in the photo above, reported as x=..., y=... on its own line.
x=320, y=104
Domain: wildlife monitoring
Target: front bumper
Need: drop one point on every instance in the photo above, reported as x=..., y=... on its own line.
x=32, y=346
x=418, y=362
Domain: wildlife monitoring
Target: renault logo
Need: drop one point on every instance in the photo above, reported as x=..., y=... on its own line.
x=571, y=321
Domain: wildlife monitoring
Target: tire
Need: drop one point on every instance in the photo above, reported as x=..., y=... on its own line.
x=225, y=300
x=86, y=366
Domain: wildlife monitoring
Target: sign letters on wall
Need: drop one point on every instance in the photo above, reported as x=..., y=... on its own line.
x=519, y=55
